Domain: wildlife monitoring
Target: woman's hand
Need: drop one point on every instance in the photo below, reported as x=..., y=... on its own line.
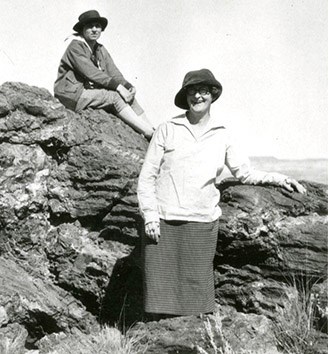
x=291, y=185
x=127, y=95
x=152, y=230
x=133, y=92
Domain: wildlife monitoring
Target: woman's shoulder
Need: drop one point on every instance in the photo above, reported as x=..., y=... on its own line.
x=165, y=128
x=171, y=122
x=178, y=118
x=76, y=42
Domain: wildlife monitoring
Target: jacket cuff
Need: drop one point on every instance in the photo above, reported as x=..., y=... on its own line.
x=113, y=84
x=151, y=216
x=127, y=85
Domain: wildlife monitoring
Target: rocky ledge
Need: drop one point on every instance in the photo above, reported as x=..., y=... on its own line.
x=69, y=246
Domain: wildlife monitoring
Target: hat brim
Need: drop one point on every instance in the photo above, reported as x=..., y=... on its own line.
x=181, y=97
x=102, y=20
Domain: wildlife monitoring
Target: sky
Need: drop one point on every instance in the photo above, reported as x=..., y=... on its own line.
x=271, y=57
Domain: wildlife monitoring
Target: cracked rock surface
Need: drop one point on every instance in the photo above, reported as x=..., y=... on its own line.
x=69, y=245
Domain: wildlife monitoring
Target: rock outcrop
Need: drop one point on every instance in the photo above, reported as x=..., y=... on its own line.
x=69, y=246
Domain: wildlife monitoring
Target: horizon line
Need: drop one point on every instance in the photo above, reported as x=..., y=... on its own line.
x=287, y=158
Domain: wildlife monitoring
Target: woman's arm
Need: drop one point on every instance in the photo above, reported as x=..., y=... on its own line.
x=146, y=190
x=240, y=167
x=78, y=56
x=112, y=70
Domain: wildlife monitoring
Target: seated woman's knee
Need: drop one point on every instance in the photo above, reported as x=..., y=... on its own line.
x=116, y=101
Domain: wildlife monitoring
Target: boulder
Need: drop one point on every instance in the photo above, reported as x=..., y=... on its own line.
x=37, y=304
x=269, y=240
x=61, y=173
x=13, y=338
x=69, y=241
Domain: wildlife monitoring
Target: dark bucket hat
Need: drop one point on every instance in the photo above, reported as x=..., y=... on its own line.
x=90, y=16
x=202, y=76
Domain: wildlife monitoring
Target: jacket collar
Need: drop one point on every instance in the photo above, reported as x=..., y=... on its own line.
x=77, y=37
x=182, y=119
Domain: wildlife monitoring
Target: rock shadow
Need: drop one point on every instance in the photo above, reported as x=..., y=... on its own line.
x=122, y=305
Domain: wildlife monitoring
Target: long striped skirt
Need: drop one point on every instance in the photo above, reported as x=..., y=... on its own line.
x=178, y=270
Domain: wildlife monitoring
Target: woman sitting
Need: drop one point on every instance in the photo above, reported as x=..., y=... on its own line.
x=87, y=77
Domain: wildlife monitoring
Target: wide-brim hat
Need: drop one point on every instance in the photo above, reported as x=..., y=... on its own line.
x=202, y=76
x=90, y=16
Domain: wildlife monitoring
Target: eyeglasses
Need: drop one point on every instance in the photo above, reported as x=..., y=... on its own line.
x=202, y=90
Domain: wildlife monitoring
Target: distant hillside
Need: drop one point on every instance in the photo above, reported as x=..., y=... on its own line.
x=307, y=169
x=266, y=159
x=263, y=158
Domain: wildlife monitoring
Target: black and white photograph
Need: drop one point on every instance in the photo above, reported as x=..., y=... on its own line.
x=164, y=177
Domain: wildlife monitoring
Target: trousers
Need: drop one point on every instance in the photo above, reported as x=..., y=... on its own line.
x=111, y=101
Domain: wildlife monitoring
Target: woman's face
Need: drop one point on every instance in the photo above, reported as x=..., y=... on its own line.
x=199, y=98
x=92, y=31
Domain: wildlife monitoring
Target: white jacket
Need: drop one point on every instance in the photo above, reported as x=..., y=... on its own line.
x=177, y=179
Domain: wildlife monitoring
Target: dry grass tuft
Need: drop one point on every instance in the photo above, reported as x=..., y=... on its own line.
x=215, y=337
x=294, y=329
x=108, y=340
x=111, y=340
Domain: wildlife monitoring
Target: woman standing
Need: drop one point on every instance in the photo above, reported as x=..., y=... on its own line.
x=88, y=77
x=180, y=203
